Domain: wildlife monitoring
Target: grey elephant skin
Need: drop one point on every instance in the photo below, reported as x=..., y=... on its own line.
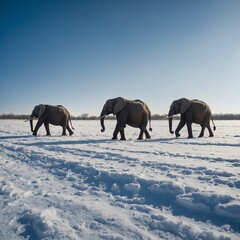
x=48, y=114
x=192, y=111
x=134, y=113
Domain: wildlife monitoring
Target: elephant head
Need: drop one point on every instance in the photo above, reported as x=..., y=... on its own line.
x=112, y=106
x=177, y=106
x=37, y=112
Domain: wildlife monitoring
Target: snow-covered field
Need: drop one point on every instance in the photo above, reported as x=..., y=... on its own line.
x=87, y=186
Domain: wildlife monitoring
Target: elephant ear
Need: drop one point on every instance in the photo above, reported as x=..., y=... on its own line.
x=41, y=110
x=184, y=105
x=119, y=105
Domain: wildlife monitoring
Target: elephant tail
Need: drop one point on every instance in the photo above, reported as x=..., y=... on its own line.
x=214, y=127
x=150, y=127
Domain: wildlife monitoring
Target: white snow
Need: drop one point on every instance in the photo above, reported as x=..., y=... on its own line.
x=87, y=186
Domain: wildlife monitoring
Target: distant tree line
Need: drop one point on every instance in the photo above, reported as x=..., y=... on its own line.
x=14, y=116
x=85, y=116
x=226, y=116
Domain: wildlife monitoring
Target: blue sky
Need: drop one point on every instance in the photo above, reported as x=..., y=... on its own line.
x=81, y=53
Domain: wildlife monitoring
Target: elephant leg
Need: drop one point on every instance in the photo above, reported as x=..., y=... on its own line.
x=46, y=125
x=210, y=131
x=189, y=127
x=38, y=125
x=202, y=131
x=64, y=127
x=179, y=127
x=140, y=137
x=122, y=134
x=69, y=130
x=143, y=129
x=64, y=131
x=147, y=134
x=121, y=124
x=116, y=131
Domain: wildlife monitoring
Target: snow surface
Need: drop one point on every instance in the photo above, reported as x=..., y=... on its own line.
x=87, y=186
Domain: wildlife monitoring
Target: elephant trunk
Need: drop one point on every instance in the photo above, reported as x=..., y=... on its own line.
x=170, y=117
x=31, y=121
x=102, y=123
x=102, y=117
x=31, y=124
x=170, y=125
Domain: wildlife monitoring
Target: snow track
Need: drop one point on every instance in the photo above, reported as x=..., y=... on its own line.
x=89, y=187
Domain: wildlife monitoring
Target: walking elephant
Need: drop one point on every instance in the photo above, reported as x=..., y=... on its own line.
x=192, y=111
x=134, y=113
x=55, y=115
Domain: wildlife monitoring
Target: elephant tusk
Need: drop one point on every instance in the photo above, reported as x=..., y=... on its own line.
x=169, y=117
x=100, y=117
x=28, y=119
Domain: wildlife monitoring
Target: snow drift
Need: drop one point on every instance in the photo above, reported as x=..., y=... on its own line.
x=89, y=187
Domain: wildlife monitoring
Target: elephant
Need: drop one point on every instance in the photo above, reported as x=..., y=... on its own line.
x=191, y=111
x=48, y=114
x=134, y=113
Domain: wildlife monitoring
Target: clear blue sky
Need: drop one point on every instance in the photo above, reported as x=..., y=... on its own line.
x=81, y=53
